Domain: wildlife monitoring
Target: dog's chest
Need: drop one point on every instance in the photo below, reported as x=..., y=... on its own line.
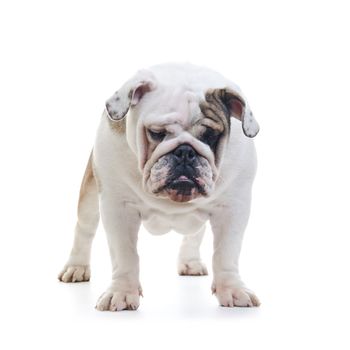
x=158, y=223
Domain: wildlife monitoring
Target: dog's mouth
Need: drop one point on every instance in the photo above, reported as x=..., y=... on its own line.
x=183, y=188
x=183, y=184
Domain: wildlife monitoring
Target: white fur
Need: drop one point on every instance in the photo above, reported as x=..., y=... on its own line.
x=122, y=164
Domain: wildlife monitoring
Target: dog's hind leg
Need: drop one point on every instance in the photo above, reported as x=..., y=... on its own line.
x=77, y=268
x=189, y=261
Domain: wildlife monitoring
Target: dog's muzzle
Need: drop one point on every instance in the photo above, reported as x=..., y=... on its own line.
x=181, y=175
x=184, y=173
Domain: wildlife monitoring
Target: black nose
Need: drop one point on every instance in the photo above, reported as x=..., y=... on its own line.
x=185, y=154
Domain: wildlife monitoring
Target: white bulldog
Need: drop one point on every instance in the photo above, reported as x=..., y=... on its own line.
x=169, y=155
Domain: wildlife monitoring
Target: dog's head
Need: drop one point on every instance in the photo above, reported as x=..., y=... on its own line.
x=178, y=131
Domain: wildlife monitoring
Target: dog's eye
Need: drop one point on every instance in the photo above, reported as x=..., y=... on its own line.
x=156, y=135
x=210, y=137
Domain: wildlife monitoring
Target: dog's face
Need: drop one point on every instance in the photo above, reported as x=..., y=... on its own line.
x=178, y=134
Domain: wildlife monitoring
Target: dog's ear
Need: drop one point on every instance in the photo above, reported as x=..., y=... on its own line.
x=130, y=94
x=238, y=108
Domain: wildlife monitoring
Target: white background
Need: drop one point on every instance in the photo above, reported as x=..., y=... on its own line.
x=61, y=60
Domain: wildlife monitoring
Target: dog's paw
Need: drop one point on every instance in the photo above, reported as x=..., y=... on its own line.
x=118, y=300
x=230, y=296
x=192, y=268
x=75, y=273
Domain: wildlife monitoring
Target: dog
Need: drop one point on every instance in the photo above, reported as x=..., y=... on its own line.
x=173, y=150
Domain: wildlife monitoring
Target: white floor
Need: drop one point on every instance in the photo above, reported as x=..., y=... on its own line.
x=303, y=312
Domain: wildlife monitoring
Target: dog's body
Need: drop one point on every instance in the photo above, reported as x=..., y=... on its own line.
x=176, y=161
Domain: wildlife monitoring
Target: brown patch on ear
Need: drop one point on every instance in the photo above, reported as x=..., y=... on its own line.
x=223, y=103
x=214, y=109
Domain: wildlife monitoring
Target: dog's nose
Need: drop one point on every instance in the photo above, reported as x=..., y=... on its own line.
x=185, y=154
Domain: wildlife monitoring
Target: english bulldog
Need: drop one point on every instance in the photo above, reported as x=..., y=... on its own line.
x=173, y=150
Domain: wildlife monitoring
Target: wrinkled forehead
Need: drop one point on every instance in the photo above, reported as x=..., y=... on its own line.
x=172, y=108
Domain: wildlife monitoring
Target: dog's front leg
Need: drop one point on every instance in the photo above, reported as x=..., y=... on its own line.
x=121, y=222
x=228, y=224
